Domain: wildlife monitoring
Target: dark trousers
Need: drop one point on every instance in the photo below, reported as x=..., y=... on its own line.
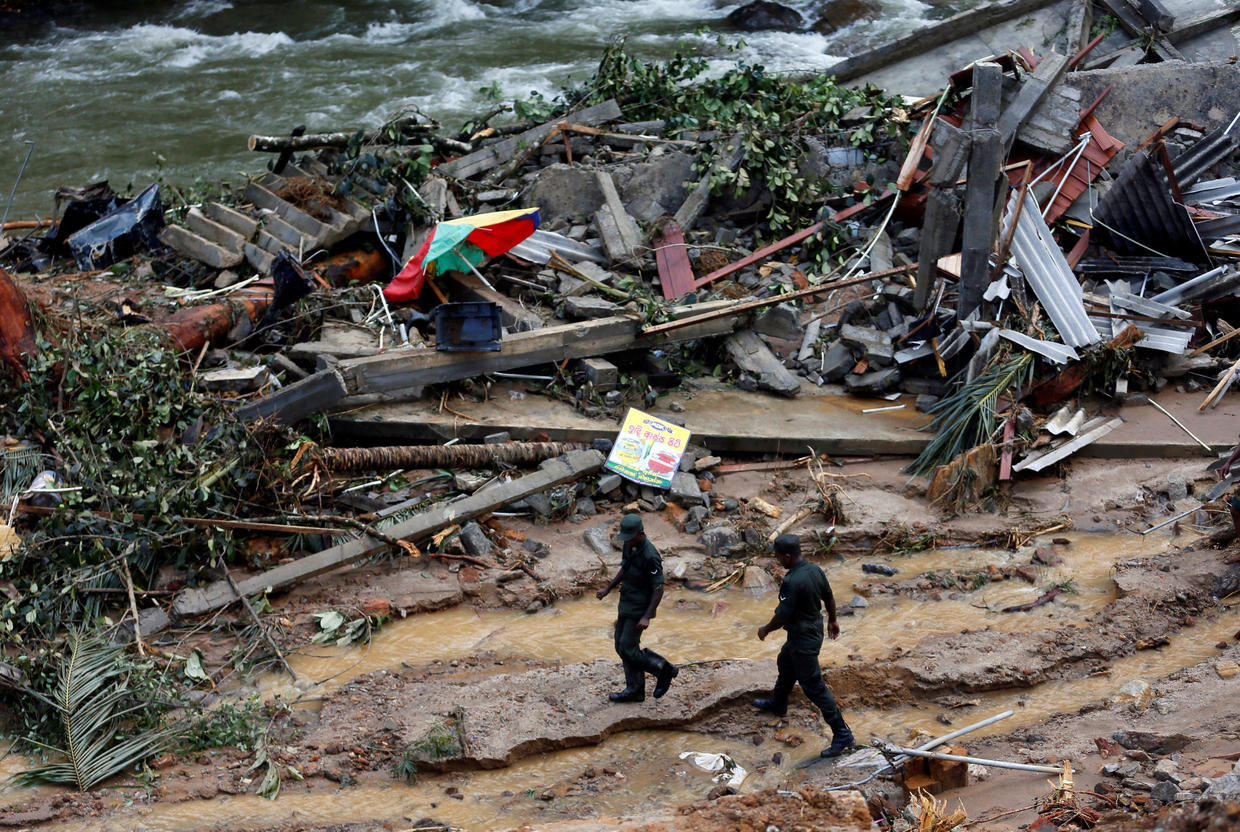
x=629, y=641
x=803, y=668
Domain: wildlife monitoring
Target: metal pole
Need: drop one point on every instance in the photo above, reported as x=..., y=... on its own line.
x=13, y=193
x=935, y=755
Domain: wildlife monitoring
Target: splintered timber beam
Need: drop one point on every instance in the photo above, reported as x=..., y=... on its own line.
x=406, y=368
x=553, y=472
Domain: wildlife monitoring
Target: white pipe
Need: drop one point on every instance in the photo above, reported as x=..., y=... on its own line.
x=956, y=758
x=960, y=732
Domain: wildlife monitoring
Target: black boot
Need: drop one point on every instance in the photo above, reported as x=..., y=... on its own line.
x=770, y=703
x=635, y=686
x=663, y=670
x=841, y=739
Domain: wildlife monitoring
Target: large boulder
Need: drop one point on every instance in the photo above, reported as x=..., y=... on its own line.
x=763, y=14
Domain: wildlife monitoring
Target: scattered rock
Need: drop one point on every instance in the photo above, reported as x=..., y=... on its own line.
x=718, y=539
x=598, y=539
x=475, y=541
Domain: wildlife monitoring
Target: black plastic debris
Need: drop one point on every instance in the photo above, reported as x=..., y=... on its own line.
x=291, y=285
x=121, y=233
x=878, y=569
x=466, y=327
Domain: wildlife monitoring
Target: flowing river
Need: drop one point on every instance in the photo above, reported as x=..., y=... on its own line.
x=173, y=89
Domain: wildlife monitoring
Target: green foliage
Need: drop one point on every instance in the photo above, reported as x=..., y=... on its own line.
x=1104, y=25
x=406, y=767
x=228, y=725
x=115, y=406
x=401, y=165
x=967, y=418
x=441, y=741
x=773, y=114
x=96, y=715
x=334, y=628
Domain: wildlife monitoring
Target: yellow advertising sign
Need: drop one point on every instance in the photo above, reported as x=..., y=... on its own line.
x=648, y=449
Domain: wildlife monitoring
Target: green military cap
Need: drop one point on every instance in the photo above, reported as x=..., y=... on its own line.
x=630, y=527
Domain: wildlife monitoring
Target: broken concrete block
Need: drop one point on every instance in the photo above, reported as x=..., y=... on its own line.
x=780, y=321
x=608, y=483
x=685, y=490
x=475, y=541
x=718, y=540
x=598, y=539
x=239, y=380
x=589, y=308
x=875, y=345
x=754, y=357
x=878, y=381
x=601, y=373
x=837, y=361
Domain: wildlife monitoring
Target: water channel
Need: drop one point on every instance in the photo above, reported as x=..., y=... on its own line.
x=134, y=91
x=693, y=626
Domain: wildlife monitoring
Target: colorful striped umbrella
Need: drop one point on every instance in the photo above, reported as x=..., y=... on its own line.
x=463, y=245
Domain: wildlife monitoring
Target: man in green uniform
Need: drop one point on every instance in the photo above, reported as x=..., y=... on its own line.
x=641, y=589
x=802, y=595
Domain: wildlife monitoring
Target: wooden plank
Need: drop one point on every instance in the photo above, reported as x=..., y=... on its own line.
x=981, y=190
x=399, y=369
x=928, y=37
x=630, y=234
x=551, y=473
x=938, y=238
x=1202, y=23
x=190, y=244
x=296, y=401
x=1155, y=14
x=672, y=259
x=725, y=308
x=498, y=153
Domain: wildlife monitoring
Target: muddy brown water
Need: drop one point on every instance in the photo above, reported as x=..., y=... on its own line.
x=691, y=626
x=694, y=626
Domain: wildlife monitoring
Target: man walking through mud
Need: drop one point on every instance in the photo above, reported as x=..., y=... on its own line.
x=803, y=593
x=640, y=579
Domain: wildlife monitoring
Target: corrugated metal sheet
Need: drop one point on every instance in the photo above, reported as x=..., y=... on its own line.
x=1207, y=152
x=538, y=246
x=1215, y=190
x=1221, y=227
x=1207, y=286
x=1058, y=353
x=1138, y=216
x=1134, y=265
x=1144, y=306
x=1093, y=430
x=1047, y=272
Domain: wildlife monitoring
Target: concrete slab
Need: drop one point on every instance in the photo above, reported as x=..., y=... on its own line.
x=731, y=421
x=722, y=420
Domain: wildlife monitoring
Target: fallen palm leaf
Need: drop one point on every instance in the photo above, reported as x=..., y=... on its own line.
x=92, y=701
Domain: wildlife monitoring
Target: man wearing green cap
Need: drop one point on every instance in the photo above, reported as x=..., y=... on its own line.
x=641, y=589
x=803, y=593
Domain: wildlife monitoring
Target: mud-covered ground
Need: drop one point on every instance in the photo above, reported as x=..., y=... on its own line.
x=512, y=709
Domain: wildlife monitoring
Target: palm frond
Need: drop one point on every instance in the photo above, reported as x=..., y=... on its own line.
x=966, y=418
x=89, y=700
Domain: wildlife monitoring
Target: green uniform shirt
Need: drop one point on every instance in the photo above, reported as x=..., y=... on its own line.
x=643, y=573
x=802, y=595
